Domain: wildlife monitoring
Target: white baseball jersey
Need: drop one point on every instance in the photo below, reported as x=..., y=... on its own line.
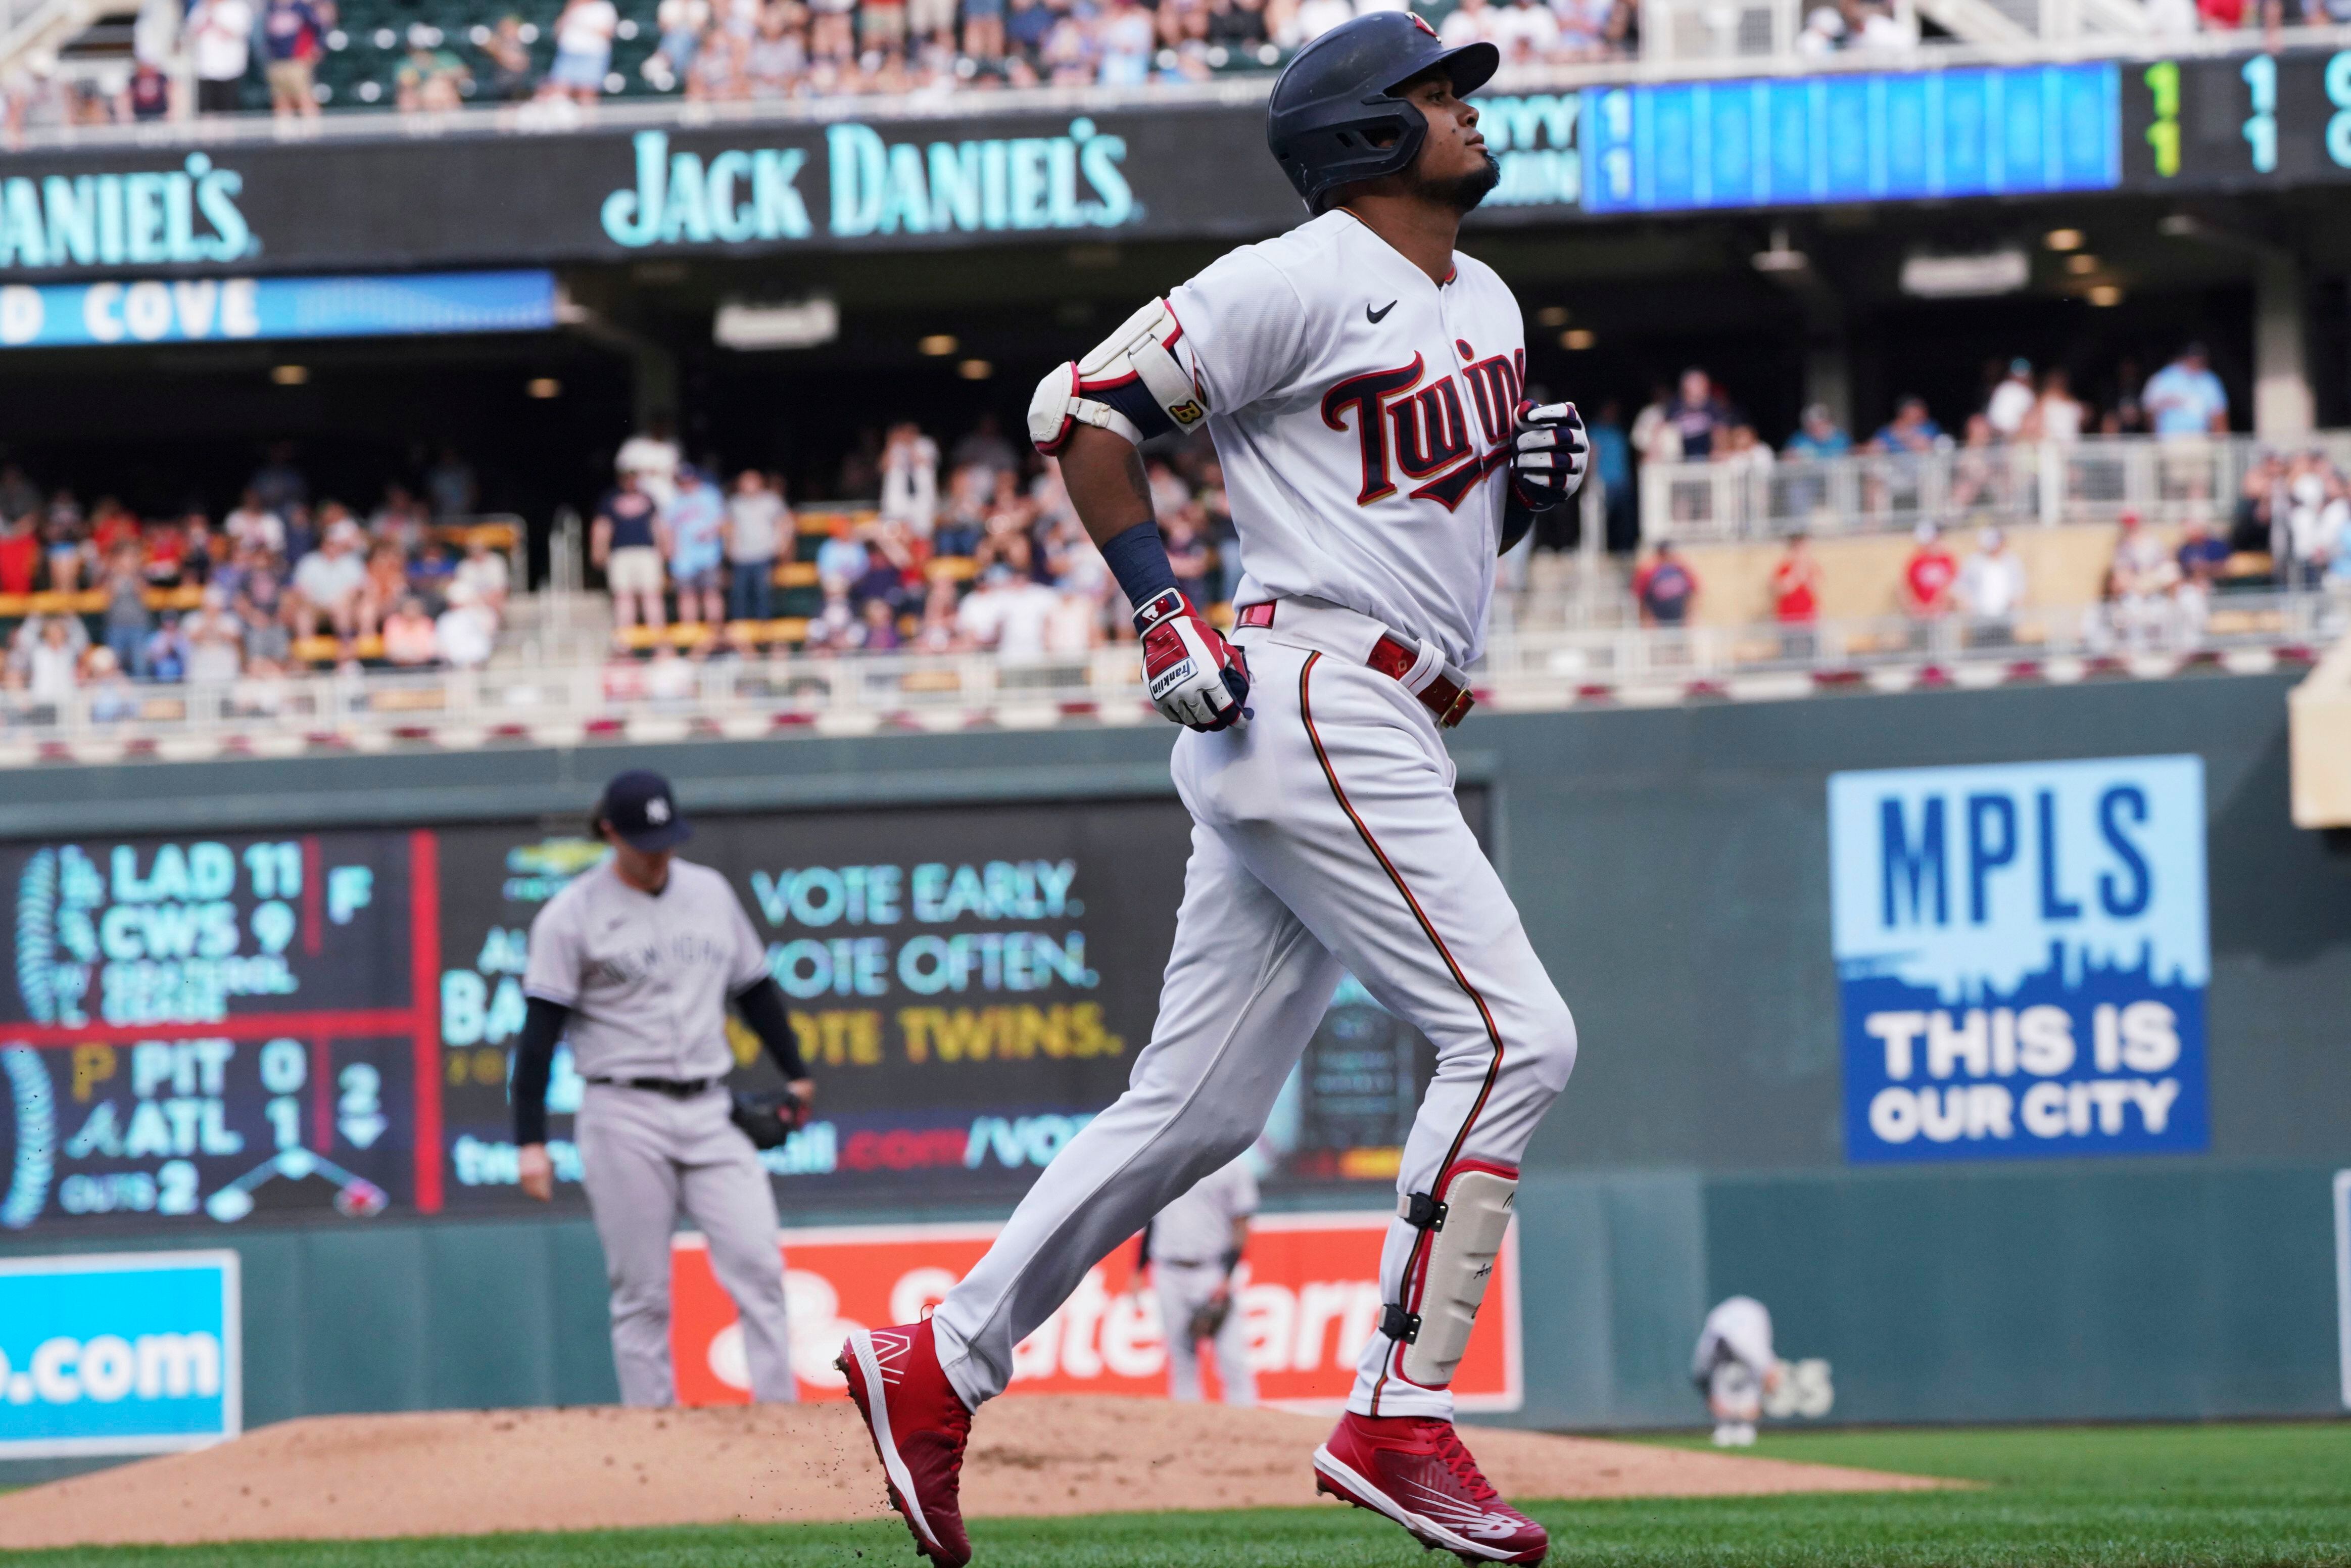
x=647, y=975
x=1197, y=1228
x=1364, y=416
x=1739, y=1329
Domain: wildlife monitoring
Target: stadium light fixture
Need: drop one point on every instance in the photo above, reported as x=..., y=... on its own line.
x=2082, y=262
x=1552, y=316
x=793, y=324
x=1967, y=277
x=938, y=346
x=542, y=387
x=974, y=370
x=1576, y=339
x=2063, y=239
x=2105, y=294
x=289, y=375
x=1780, y=258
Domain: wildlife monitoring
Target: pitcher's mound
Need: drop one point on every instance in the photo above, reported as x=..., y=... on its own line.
x=476, y=1472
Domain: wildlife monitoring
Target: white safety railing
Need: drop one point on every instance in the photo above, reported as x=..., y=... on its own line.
x=2096, y=479
x=672, y=698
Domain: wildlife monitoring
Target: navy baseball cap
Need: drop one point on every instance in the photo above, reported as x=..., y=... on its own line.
x=640, y=808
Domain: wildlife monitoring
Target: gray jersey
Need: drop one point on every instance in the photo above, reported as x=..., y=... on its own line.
x=1197, y=1228
x=647, y=975
x=1739, y=1330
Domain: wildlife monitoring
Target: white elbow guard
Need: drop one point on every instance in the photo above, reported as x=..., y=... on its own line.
x=1138, y=382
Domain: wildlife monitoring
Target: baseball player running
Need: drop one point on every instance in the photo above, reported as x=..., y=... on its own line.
x=1192, y=1246
x=635, y=962
x=1361, y=381
x=1733, y=1367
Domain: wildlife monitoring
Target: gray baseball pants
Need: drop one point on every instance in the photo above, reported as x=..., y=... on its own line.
x=642, y=1157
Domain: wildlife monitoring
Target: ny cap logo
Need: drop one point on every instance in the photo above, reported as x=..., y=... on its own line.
x=657, y=811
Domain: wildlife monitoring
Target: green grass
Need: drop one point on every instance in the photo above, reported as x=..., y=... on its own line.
x=2201, y=1497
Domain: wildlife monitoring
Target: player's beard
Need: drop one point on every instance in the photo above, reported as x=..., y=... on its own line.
x=1464, y=192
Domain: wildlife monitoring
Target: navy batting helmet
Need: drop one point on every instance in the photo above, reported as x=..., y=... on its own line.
x=1338, y=93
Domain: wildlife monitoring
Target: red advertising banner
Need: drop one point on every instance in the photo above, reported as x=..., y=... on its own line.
x=1309, y=1295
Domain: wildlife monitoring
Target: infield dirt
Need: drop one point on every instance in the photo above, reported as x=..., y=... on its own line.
x=478, y=1472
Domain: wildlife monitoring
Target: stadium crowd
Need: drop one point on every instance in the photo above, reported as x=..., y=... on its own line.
x=96, y=597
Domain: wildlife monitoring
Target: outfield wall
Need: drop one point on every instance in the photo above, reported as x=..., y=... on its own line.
x=1673, y=867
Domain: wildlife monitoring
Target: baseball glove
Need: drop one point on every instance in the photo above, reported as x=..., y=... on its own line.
x=767, y=1119
x=1208, y=1319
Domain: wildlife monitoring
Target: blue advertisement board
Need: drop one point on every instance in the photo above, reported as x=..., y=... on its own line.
x=134, y=1352
x=1863, y=137
x=2022, y=954
x=246, y=309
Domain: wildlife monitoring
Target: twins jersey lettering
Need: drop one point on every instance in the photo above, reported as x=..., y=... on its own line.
x=647, y=975
x=1363, y=415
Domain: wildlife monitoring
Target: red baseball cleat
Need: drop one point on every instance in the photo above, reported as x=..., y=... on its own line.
x=1413, y=1470
x=919, y=1425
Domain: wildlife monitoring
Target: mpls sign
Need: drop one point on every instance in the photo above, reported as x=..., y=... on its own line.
x=188, y=215
x=874, y=186
x=2022, y=956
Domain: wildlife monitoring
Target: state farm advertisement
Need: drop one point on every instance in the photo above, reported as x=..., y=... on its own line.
x=1309, y=1295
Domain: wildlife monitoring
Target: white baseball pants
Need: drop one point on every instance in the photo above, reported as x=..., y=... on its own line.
x=1326, y=837
x=642, y=1157
x=1184, y=1288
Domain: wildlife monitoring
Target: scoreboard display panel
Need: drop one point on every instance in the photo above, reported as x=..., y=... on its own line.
x=2241, y=122
x=203, y=1032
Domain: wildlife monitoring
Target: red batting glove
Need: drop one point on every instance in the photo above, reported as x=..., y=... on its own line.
x=1194, y=675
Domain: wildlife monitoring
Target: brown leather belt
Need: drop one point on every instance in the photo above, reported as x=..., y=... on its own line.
x=1391, y=656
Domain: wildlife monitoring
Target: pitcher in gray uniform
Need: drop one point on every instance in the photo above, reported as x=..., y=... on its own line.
x=635, y=963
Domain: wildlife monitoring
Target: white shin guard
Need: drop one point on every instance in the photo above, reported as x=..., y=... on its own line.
x=1465, y=1223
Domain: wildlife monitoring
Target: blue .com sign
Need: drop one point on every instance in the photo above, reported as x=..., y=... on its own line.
x=2022, y=954
x=122, y=1353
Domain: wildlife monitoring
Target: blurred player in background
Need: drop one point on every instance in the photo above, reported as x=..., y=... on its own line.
x=1193, y=1248
x=634, y=963
x=1734, y=1368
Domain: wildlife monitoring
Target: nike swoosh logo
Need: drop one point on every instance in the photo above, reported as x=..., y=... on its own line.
x=1377, y=316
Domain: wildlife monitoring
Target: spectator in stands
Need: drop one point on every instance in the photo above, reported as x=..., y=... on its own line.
x=2261, y=508
x=19, y=497
x=1612, y=463
x=510, y=82
x=1796, y=583
x=651, y=454
x=893, y=565
x=626, y=542
x=254, y=524
x=841, y=558
x=146, y=95
x=941, y=631
x=432, y=79
x=2202, y=555
x=2139, y=584
x=1006, y=614
x=983, y=29
x=1698, y=414
x=757, y=522
x=20, y=554
x=262, y=612
x=1665, y=588
x=583, y=49
x=2012, y=402
x=879, y=625
x=1927, y=576
x=2185, y=398
x=386, y=584
x=465, y=633
x=681, y=24
x=430, y=573
x=482, y=578
x=984, y=447
x=111, y=700
x=1911, y=430
x=1818, y=436
x=2057, y=416
x=1740, y=447
x=2317, y=516
x=1991, y=589
x=53, y=664
x=777, y=56
x=129, y=623
x=697, y=548
x=165, y=657
x=449, y=482
x=215, y=641
x=910, y=478
x=277, y=484
x=328, y=584
x=293, y=34
x=1188, y=554
x=408, y=641
x=219, y=38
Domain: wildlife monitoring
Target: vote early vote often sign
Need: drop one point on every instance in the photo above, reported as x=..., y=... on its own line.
x=2022, y=954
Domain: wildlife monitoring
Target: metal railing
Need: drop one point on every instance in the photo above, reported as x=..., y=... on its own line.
x=672, y=697
x=2095, y=479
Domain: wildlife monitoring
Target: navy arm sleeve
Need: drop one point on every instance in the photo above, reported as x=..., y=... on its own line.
x=762, y=1007
x=542, y=1026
